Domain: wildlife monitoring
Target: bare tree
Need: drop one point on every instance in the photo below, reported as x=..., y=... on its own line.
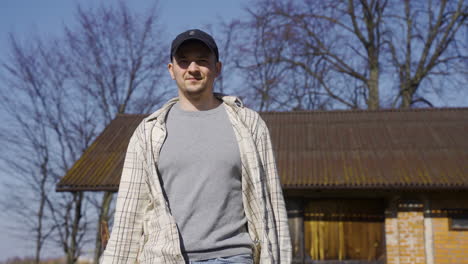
x=262, y=69
x=255, y=59
x=118, y=57
x=34, y=97
x=427, y=44
x=351, y=50
x=60, y=93
x=225, y=39
x=328, y=41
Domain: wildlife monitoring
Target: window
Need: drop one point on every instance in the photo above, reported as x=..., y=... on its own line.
x=344, y=230
x=458, y=219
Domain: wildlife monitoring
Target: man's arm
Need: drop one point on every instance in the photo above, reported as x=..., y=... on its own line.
x=265, y=149
x=132, y=199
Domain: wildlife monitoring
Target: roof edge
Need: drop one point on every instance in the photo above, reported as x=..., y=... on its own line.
x=394, y=110
x=377, y=187
x=113, y=188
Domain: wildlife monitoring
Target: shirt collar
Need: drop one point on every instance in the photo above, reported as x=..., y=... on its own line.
x=233, y=101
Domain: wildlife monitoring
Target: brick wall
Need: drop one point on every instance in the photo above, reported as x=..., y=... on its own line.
x=413, y=237
x=450, y=246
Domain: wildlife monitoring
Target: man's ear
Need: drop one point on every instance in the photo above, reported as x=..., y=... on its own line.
x=170, y=68
x=219, y=67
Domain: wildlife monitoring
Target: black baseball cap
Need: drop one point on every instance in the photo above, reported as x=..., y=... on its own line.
x=194, y=34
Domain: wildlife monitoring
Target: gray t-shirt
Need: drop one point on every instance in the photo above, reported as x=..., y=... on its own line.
x=200, y=169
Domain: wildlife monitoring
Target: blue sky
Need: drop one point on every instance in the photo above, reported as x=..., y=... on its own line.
x=46, y=17
x=26, y=17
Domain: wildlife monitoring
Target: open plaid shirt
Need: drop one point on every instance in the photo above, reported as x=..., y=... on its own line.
x=144, y=230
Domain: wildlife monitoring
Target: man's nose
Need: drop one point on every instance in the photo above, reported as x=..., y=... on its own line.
x=193, y=66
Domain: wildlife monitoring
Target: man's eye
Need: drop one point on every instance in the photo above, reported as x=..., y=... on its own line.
x=183, y=62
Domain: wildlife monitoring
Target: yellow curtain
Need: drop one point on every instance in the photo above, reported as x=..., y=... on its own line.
x=344, y=229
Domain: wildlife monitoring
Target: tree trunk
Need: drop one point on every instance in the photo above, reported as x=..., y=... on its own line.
x=103, y=217
x=407, y=93
x=373, y=85
x=40, y=213
x=73, y=250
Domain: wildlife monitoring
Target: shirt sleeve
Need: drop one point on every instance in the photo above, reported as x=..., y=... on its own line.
x=132, y=198
x=265, y=149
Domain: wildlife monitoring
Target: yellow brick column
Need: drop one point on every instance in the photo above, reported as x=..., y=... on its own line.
x=411, y=232
x=404, y=233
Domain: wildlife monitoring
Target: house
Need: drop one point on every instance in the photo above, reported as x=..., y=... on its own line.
x=384, y=186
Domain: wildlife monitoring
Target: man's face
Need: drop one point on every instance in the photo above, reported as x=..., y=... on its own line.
x=194, y=68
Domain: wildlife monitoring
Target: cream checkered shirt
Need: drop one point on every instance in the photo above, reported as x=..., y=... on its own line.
x=144, y=230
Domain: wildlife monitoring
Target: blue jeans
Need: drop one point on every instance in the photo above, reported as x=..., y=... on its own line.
x=238, y=259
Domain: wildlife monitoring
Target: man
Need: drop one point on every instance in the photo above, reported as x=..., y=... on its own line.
x=199, y=182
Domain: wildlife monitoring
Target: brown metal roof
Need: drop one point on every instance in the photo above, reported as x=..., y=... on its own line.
x=384, y=149
x=100, y=166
